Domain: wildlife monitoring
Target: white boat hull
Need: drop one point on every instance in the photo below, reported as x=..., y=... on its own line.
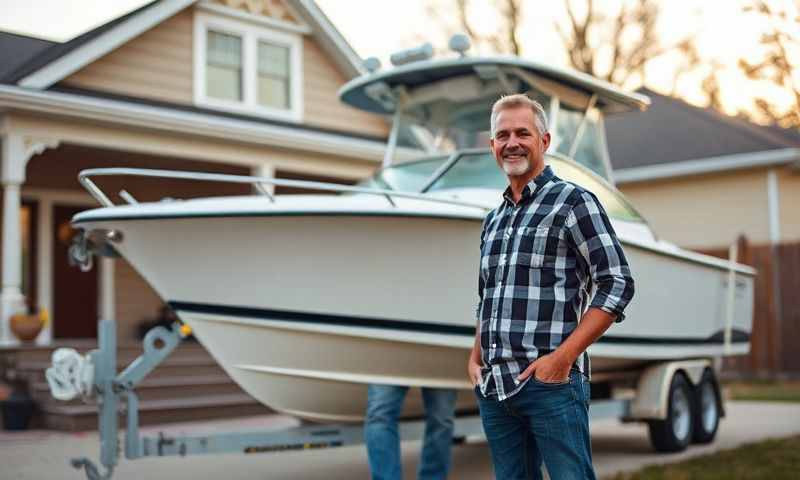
x=304, y=311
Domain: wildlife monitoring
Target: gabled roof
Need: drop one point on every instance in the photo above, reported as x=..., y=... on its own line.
x=671, y=131
x=58, y=61
x=19, y=49
x=59, y=50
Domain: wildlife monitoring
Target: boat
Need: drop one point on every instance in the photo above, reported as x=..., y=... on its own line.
x=305, y=300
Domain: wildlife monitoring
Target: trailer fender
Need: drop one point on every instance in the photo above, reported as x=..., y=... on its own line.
x=652, y=390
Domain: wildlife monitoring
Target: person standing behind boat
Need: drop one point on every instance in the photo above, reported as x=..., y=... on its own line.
x=384, y=404
x=542, y=251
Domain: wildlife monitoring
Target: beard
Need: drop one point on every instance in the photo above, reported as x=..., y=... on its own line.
x=519, y=167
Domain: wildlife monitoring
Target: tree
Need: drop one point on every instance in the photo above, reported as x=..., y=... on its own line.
x=780, y=42
x=504, y=40
x=613, y=45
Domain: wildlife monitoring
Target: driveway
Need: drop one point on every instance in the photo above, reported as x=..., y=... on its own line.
x=617, y=447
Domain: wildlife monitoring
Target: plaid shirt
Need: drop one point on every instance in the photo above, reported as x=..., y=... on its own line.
x=540, y=259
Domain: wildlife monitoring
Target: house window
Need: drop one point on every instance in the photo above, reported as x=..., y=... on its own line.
x=247, y=68
x=224, y=66
x=273, y=75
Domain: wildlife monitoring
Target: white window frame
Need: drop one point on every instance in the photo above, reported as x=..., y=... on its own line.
x=250, y=34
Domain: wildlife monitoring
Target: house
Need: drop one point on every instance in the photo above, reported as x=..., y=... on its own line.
x=225, y=86
x=702, y=179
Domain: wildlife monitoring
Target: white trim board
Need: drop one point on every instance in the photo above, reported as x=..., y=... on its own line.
x=195, y=124
x=331, y=40
x=80, y=57
x=722, y=163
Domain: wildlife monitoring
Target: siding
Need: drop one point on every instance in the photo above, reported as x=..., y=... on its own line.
x=705, y=212
x=136, y=301
x=155, y=65
x=789, y=192
x=321, y=83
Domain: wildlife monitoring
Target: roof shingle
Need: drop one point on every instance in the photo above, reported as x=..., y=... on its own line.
x=671, y=131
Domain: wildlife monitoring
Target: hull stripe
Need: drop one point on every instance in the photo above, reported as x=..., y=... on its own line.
x=717, y=338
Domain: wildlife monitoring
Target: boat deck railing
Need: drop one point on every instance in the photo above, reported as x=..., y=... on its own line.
x=85, y=179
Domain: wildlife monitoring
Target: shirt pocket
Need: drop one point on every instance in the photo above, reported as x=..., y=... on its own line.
x=533, y=250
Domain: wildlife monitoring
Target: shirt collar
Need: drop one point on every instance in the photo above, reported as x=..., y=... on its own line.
x=532, y=187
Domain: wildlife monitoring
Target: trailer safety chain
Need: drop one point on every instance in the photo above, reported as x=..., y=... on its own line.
x=91, y=470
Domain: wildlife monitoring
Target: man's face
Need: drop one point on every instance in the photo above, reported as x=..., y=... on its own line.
x=517, y=145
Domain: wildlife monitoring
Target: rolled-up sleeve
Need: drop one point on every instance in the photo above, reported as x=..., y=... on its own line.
x=591, y=234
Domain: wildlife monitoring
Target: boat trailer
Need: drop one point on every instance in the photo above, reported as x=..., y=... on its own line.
x=94, y=374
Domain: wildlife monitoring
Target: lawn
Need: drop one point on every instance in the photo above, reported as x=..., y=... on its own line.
x=767, y=390
x=768, y=460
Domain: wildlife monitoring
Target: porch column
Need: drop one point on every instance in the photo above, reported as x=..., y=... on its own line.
x=265, y=171
x=44, y=266
x=16, y=151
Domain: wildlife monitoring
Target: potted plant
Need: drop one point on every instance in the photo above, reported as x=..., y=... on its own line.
x=26, y=327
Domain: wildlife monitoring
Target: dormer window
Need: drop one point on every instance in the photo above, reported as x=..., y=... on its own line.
x=273, y=75
x=224, y=66
x=247, y=68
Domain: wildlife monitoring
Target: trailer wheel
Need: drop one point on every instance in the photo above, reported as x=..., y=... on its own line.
x=674, y=433
x=707, y=408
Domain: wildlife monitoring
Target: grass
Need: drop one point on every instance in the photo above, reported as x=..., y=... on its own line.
x=776, y=459
x=765, y=390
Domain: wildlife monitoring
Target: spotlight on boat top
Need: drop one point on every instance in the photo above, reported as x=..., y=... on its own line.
x=403, y=57
x=372, y=64
x=459, y=43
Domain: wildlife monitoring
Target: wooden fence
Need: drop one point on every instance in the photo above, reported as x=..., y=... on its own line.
x=775, y=340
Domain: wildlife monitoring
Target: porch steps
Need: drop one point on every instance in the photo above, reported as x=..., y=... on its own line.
x=188, y=385
x=200, y=407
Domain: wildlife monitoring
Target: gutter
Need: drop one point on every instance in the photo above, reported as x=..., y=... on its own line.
x=195, y=124
x=723, y=163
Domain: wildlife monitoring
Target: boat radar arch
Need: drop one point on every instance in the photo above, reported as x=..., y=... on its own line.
x=442, y=105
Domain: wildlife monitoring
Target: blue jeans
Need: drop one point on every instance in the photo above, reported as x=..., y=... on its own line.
x=384, y=404
x=543, y=422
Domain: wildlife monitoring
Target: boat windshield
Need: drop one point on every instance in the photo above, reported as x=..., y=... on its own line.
x=479, y=170
x=406, y=177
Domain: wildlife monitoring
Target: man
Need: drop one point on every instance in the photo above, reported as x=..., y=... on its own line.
x=542, y=251
x=384, y=404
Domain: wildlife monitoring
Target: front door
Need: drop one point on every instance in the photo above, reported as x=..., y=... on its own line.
x=74, y=291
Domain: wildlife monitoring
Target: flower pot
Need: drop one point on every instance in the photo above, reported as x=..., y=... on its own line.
x=26, y=327
x=17, y=411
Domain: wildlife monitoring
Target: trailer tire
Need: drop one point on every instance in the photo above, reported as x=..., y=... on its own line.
x=674, y=433
x=707, y=407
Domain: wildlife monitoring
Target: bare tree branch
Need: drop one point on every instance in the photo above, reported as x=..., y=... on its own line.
x=615, y=46
x=776, y=66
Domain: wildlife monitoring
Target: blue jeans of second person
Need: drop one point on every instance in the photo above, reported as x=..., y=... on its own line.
x=384, y=404
x=543, y=422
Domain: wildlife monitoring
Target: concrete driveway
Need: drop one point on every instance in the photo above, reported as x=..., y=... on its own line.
x=43, y=455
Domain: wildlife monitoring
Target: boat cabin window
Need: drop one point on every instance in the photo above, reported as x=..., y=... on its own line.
x=591, y=146
x=479, y=170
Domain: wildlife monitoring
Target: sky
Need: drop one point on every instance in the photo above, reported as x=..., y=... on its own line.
x=379, y=27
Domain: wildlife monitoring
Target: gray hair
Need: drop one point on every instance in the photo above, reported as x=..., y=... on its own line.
x=515, y=101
